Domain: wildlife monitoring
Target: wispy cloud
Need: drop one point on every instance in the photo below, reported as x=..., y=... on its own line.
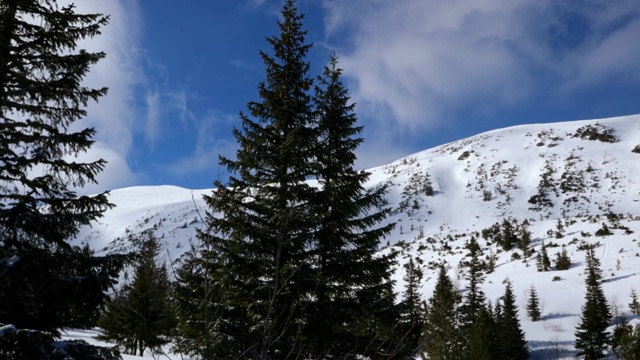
x=421, y=62
x=114, y=116
x=212, y=140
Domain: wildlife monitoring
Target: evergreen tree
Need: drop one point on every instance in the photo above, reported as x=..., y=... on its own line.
x=199, y=331
x=293, y=267
x=348, y=278
x=440, y=328
x=591, y=333
x=140, y=317
x=563, y=262
x=533, y=305
x=546, y=263
x=475, y=298
x=525, y=239
x=263, y=231
x=634, y=305
x=45, y=282
x=627, y=346
x=509, y=334
x=482, y=340
x=412, y=314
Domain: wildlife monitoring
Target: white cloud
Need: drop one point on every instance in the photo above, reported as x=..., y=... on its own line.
x=114, y=116
x=416, y=64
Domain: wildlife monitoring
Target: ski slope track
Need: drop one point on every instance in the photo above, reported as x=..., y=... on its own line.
x=583, y=173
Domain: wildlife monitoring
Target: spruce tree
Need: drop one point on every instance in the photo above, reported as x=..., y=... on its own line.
x=563, y=262
x=474, y=299
x=140, y=317
x=260, y=224
x=591, y=334
x=546, y=263
x=440, y=340
x=347, y=275
x=533, y=305
x=45, y=282
x=482, y=343
x=634, y=305
x=627, y=346
x=412, y=311
x=509, y=334
x=203, y=318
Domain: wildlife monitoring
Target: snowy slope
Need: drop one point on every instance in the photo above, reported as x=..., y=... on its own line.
x=443, y=196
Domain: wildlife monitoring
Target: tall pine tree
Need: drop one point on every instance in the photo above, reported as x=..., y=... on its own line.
x=46, y=283
x=440, y=339
x=591, y=334
x=349, y=281
x=475, y=298
x=509, y=335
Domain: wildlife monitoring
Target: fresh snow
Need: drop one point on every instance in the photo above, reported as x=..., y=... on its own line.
x=509, y=163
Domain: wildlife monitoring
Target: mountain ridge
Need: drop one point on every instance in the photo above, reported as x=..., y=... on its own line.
x=564, y=179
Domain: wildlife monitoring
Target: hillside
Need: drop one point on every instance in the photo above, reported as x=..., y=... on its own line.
x=579, y=174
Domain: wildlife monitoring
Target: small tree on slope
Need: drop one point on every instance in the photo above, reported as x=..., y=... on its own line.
x=533, y=305
x=591, y=334
x=140, y=316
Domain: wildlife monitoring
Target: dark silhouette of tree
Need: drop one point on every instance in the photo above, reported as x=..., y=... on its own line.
x=140, y=317
x=482, y=340
x=533, y=305
x=293, y=267
x=563, y=262
x=474, y=299
x=591, y=334
x=411, y=308
x=511, y=343
x=441, y=339
x=634, y=305
x=542, y=259
x=45, y=282
x=347, y=279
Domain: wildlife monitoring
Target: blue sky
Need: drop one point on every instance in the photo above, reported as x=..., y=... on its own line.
x=422, y=72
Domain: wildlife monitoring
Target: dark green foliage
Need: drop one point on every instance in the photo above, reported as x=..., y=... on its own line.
x=509, y=335
x=261, y=237
x=440, y=340
x=597, y=132
x=482, y=343
x=411, y=308
x=29, y=344
x=626, y=344
x=347, y=278
x=546, y=186
x=139, y=317
x=292, y=268
x=197, y=306
x=634, y=305
x=563, y=262
x=591, y=334
x=508, y=235
x=604, y=231
x=474, y=299
x=533, y=305
x=45, y=283
x=542, y=259
x=636, y=149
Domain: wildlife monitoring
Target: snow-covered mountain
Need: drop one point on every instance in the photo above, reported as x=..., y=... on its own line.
x=579, y=174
